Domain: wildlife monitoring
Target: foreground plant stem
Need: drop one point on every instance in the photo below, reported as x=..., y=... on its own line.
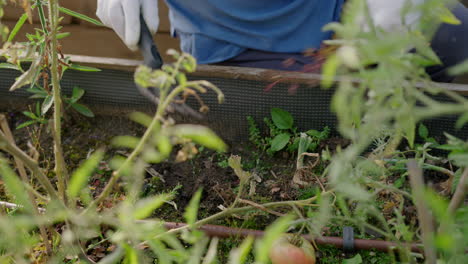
x=231, y=211
x=424, y=216
x=60, y=167
x=162, y=106
x=30, y=163
x=460, y=193
x=22, y=172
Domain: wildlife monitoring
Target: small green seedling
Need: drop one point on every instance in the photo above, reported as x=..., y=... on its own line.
x=36, y=118
x=283, y=134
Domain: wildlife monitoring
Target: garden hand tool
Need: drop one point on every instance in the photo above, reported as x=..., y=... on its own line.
x=152, y=59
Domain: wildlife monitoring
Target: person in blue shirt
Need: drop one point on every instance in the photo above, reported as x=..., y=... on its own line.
x=264, y=33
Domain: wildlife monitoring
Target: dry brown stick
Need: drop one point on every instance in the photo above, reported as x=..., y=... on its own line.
x=30, y=163
x=260, y=207
x=24, y=177
x=460, y=193
x=424, y=215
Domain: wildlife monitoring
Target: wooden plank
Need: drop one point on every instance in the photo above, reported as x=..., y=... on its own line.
x=88, y=7
x=238, y=73
x=100, y=42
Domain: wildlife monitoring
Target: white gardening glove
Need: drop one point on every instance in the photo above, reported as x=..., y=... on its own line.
x=386, y=14
x=123, y=16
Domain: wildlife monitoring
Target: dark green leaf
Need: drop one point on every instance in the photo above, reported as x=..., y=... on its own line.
x=280, y=141
x=422, y=131
x=80, y=16
x=77, y=93
x=83, y=68
x=83, y=110
x=27, y=123
x=30, y=114
x=282, y=119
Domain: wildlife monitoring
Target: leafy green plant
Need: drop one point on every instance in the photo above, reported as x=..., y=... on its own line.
x=283, y=134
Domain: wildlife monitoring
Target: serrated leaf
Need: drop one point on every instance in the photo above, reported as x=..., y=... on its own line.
x=83, y=110
x=281, y=118
x=280, y=141
x=460, y=159
x=47, y=104
x=200, y=135
x=191, y=210
x=81, y=175
x=409, y=129
x=456, y=180
x=446, y=16
x=28, y=76
x=30, y=114
x=145, y=207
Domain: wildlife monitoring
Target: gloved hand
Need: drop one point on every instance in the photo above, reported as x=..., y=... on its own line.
x=123, y=16
x=386, y=14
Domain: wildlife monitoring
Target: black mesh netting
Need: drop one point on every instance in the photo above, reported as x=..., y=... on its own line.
x=310, y=106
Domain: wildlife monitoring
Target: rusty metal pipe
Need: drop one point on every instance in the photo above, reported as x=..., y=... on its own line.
x=361, y=244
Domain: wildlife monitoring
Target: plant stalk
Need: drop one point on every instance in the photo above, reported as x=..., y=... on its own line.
x=424, y=216
x=460, y=193
x=30, y=163
x=60, y=167
x=22, y=172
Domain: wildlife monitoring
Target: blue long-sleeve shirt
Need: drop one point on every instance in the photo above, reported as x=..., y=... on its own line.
x=217, y=30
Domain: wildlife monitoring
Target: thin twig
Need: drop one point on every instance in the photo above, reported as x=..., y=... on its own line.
x=460, y=193
x=24, y=177
x=30, y=164
x=424, y=216
x=17, y=206
x=260, y=207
